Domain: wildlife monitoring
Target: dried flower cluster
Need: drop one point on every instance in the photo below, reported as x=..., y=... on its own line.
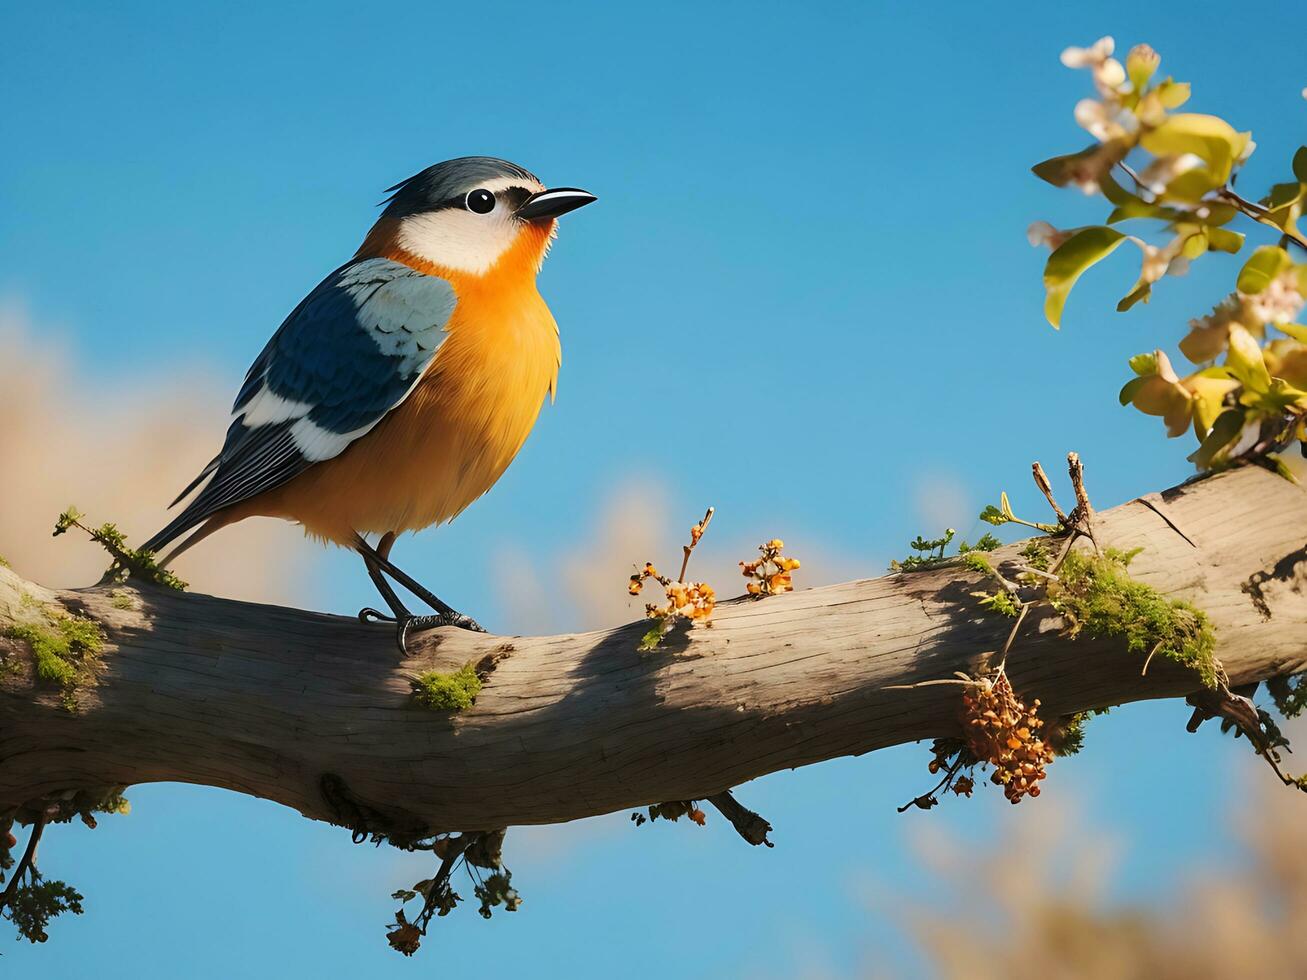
x=672, y=811
x=770, y=574
x=475, y=852
x=1000, y=729
x=690, y=600
x=693, y=601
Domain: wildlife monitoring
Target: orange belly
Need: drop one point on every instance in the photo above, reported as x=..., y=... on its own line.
x=451, y=439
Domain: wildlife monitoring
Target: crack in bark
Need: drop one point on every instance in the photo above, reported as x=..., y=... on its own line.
x=1157, y=504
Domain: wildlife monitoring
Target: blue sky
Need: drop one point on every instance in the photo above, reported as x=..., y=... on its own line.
x=810, y=238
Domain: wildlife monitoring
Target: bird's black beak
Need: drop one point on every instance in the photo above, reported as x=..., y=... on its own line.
x=553, y=202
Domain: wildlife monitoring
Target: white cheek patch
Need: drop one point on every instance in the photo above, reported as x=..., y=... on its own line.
x=459, y=239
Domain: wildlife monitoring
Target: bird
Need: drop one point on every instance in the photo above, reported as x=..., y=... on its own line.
x=403, y=385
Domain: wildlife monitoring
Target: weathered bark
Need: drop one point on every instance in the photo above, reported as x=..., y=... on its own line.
x=266, y=701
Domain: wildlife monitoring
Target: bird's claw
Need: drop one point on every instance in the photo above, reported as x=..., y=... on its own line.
x=369, y=615
x=432, y=622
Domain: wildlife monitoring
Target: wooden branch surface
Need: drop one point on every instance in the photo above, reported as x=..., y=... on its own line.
x=266, y=701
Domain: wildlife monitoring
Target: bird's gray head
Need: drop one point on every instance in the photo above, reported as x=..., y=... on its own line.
x=465, y=213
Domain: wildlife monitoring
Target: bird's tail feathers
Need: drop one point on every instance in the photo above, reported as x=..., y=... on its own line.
x=178, y=526
x=209, y=468
x=205, y=529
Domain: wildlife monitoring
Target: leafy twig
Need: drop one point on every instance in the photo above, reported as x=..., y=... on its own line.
x=1258, y=214
x=140, y=564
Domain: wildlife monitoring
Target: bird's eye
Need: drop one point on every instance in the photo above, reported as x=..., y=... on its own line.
x=480, y=201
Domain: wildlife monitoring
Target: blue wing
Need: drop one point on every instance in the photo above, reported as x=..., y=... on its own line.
x=347, y=355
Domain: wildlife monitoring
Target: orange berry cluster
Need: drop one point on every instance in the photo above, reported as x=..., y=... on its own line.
x=1002, y=730
x=771, y=572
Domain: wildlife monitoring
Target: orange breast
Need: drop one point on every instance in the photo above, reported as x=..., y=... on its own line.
x=458, y=430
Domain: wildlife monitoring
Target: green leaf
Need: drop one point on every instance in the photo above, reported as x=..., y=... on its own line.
x=1300, y=164
x=654, y=636
x=1208, y=137
x=1284, y=205
x=1143, y=291
x=1059, y=170
x=1172, y=94
x=1278, y=396
x=1194, y=246
x=1131, y=389
x=1192, y=185
x=1113, y=191
x=1136, y=209
x=1246, y=361
x=1262, y=266
x=1224, y=431
x=1144, y=364
x=1069, y=260
x=1217, y=213
x=1282, y=195
x=1094, y=161
x=1224, y=240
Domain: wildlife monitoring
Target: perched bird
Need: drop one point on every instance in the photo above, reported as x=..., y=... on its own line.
x=403, y=385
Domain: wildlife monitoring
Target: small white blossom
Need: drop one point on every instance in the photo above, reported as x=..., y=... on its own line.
x=1109, y=75
x=1102, y=120
x=1159, y=262
x=1042, y=233
x=1096, y=54
x=1279, y=302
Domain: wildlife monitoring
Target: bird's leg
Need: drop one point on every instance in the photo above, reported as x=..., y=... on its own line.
x=398, y=610
x=445, y=615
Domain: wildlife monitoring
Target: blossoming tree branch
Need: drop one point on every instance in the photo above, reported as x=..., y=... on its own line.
x=999, y=654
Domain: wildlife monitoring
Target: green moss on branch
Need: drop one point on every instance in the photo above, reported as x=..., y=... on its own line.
x=64, y=648
x=1096, y=595
x=454, y=691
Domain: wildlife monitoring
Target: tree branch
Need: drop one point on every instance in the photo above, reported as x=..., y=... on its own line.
x=269, y=701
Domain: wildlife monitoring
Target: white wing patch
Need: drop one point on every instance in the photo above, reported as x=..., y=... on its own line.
x=268, y=408
x=317, y=444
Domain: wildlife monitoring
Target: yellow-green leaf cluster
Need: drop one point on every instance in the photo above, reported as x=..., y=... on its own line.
x=1176, y=164
x=1172, y=174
